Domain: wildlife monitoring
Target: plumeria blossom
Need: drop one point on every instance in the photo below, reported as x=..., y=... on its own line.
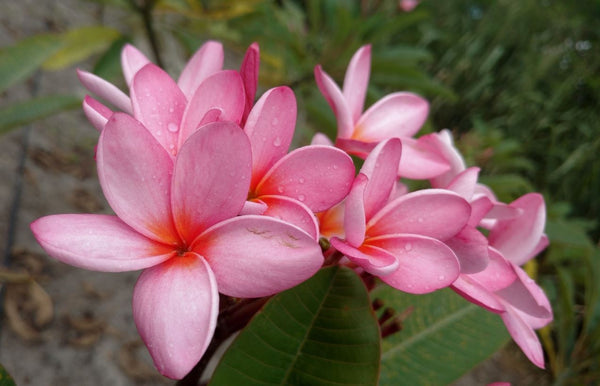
x=503, y=287
x=291, y=185
x=398, y=115
x=177, y=219
x=203, y=93
x=400, y=240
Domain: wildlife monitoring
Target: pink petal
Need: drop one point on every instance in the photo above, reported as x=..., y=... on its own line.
x=335, y=98
x=105, y=90
x=425, y=264
x=321, y=139
x=205, y=62
x=293, y=212
x=175, y=309
x=132, y=60
x=354, y=216
x=526, y=296
x=223, y=91
x=396, y=115
x=524, y=336
x=249, y=74
x=464, y=183
x=211, y=178
x=270, y=127
x=381, y=169
x=471, y=248
x=135, y=174
x=480, y=207
x=436, y=213
x=498, y=274
x=159, y=104
x=420, y=163
x=318, y=176
x=355, y=147
x=331, y=221
x=97, y=242
x=356, y=81
x=374, y=260
x=255, y=256
x=478, y=294
x=442, y=144
x=254, y=207
x=517, y=238
x=96, y=112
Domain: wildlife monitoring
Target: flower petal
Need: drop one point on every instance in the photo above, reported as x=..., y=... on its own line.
x=517, y=238
x=464, y=183
x=211, y=178
x=425, y=264
x=419, y=162
x=321, y=139
x=498, y=274
x=356, y=81
x=331, y=221
x=443, y=144
x=397, y=115
x=270, y=127
x=132, y=60
x=97, y=242
x=374, y=260
x=471, y=248
x=249, y=73
x=293, y=212
x=436, y=213
x=318, y=176
x=478, y=294
x=526, y=296
x=355, y=147
x=159, y=104
x=135, y=174
x=205, y=62
x=336, y=100
x=105, y=90
x=355, y=223
x=223, y=91
x=96, y=112
x=255, y=256
x=175, y=309
x=524, y=336
x=381, y=169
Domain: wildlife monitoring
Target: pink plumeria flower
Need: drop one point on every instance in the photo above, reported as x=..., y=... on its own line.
x=177, y=219
x=204, y=93
x=398, y=115
x=291, y=185
x=503, y=287
x=408, y=5
x=401, y=240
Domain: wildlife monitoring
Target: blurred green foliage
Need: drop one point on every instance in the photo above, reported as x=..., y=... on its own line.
x=517, y=81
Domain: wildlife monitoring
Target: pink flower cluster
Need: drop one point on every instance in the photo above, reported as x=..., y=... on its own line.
x=208, y=200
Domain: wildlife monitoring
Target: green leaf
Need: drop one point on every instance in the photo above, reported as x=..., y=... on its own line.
x=5, y=378
x=19, y=61
x=79, y=44
x=33, y=109
x=322, y=332
x=442, y=338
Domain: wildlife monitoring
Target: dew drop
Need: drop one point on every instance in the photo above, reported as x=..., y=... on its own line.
x=301, y=180
x=173, y=127
x=408, y=246
x=441, y=277
x=335, y=166
x=280, y=189
x=420, y=219
x=275, y=122
x=171, y=109
x=277, y=142
x=302, y=197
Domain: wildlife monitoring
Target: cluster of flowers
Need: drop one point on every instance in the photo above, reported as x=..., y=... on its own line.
x=208, y=200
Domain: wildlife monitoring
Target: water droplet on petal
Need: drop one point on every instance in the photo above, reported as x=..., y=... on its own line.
x=173, y=127
x=335, y=166
x=301, y=180
x=408, y=246
x=275, y=122
x=420, y=219
x=277, y=142
x=441, y=277
x=302, y=197
x=280, y=189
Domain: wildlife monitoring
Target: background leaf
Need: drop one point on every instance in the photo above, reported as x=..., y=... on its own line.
x=5, y=378
x=19, y=61
x=34, y=109
x=322, y=332
x=443, y=337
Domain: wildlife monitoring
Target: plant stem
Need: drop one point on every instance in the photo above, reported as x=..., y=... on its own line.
x=145, y=11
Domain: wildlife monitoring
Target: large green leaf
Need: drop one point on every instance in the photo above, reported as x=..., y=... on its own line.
x=442, y=338
x=5, y=378
x=79, y=44
x=322, y=332
x=34, y=109
x=19, y=61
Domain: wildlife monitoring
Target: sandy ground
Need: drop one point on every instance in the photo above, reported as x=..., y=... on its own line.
x=76, y=328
